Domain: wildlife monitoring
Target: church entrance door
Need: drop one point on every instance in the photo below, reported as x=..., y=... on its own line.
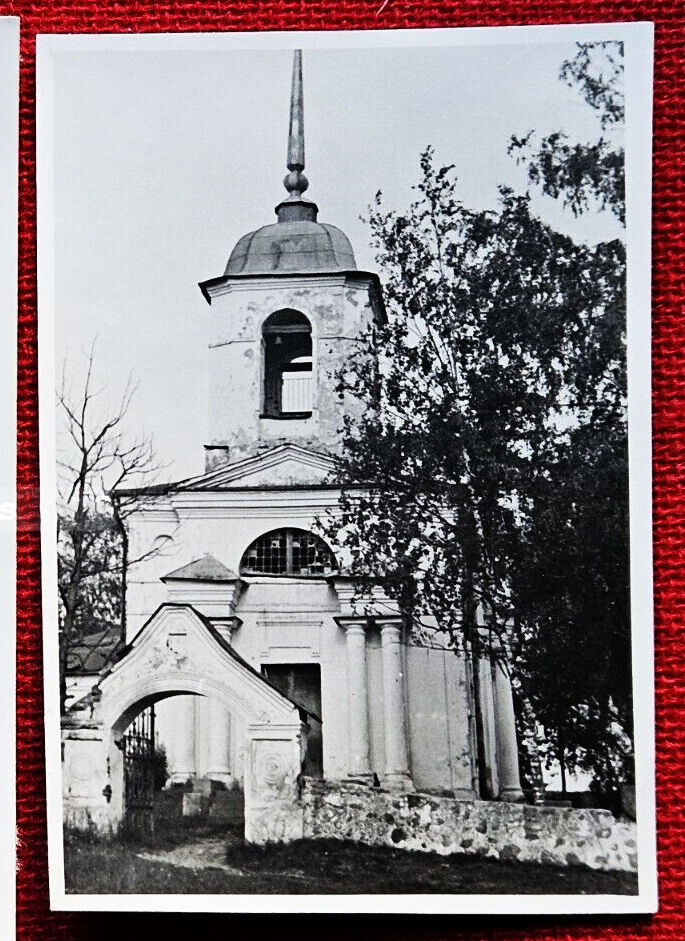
x=301, y=682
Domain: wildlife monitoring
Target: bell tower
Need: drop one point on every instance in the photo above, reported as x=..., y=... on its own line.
x=285, y=316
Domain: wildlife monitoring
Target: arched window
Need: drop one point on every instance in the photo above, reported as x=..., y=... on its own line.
x=288, y=552
x=287, y=337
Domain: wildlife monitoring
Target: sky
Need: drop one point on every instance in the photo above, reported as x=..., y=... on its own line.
x=164, y=159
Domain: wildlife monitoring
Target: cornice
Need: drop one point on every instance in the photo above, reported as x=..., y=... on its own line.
x=216, y=287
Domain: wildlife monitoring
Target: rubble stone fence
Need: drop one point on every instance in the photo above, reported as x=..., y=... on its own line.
x=559, y=836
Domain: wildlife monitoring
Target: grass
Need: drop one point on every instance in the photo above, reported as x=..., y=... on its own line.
x=316, y=867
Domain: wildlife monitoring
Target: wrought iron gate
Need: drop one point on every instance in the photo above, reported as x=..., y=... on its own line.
x=138, y=747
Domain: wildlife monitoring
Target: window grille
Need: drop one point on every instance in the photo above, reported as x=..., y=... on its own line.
x=288, y=552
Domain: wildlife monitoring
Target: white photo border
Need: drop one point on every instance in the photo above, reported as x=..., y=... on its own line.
x=638, y=39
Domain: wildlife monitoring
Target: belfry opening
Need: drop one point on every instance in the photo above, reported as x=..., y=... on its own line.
x=288, y=376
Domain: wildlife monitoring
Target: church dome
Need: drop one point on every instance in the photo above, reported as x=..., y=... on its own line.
x=299, y=245
x=297, y=242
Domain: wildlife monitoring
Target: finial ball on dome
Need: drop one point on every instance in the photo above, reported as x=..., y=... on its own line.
x=295, y=181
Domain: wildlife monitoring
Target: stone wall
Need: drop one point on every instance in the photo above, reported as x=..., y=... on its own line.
x=558, y=836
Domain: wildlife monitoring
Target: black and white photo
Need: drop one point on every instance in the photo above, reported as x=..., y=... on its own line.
x=345, y=450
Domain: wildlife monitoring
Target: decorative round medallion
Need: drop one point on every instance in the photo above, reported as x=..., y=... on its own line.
x=81, y=768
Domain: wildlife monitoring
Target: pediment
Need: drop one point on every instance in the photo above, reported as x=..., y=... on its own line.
x=206, y=569
x=178, y=651
x=285, y=465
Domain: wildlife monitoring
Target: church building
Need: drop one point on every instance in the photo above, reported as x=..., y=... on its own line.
x=242, y=571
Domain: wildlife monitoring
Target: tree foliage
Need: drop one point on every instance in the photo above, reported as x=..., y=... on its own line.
x=499, y=385
x=589, y=174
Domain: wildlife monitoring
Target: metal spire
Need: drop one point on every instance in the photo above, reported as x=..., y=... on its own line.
x=296, y=131
x=295, y=208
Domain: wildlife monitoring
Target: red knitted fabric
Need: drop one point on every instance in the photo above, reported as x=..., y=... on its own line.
x=34, y=920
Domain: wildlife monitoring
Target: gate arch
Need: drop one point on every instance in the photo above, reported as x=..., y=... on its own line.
x=179, y=652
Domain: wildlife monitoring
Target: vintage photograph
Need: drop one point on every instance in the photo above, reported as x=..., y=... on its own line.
x=345, y=470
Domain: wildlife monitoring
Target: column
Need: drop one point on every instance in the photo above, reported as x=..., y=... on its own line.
x=358, y=761
x=507, y=745
x=486, y=698
x=183, y=747
x=397, y=776
x=218, y=733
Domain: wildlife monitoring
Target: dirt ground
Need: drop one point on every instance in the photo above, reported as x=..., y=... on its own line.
x=219, y=862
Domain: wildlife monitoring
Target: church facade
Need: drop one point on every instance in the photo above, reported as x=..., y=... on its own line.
x=239, y=557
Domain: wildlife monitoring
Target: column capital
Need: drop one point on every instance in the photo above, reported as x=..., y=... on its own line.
x=390, y=626
x=351, y=624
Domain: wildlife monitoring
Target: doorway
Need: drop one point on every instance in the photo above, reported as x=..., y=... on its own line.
x=301, y=682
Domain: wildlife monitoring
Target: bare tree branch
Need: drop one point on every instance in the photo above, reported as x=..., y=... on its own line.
x=99, y=457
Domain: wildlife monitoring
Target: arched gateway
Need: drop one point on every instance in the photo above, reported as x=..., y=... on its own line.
x=178, y=651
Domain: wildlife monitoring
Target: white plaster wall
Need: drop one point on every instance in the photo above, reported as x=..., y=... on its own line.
x=292, y=621
x=208, y=526
x=439, y=714
x=282, y=623
x=338, y=310
x=78, y=687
